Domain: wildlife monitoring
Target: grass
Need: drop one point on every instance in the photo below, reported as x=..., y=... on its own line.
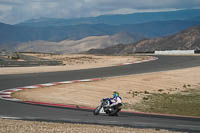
x=183, y=103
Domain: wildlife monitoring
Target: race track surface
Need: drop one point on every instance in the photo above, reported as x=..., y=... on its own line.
x=33, y=112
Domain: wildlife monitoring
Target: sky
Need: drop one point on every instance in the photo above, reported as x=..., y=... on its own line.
x=16, y=11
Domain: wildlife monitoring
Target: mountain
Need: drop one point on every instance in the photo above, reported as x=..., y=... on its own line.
x=124, y=38
x=12, y=34
x=159, y=28
x=150, y=25
x=2, y=25
x=134, y=18
x=77, y=46
x=197, y=18
x=186, y=40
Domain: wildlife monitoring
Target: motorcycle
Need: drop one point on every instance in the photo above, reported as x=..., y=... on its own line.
x=104, y=108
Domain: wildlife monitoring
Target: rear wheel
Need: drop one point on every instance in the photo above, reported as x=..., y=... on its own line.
x=115, y=112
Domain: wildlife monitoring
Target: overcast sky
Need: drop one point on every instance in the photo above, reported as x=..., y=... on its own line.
x=15, y=11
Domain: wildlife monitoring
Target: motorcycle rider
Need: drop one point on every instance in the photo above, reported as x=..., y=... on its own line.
x=116, y=100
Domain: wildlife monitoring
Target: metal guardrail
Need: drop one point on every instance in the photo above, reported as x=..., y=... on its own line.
x=29, y=63
x=197, y=51
x=4, y=59
x=175, y=52
x=11, y=61
x=30, y=58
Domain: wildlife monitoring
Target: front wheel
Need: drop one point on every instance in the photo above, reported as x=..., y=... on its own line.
x=97, y=110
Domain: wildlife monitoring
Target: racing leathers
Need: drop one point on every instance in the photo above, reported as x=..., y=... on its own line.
x=115, y=101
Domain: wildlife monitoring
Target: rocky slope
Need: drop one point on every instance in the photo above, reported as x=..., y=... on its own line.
x=188, y=39
x=77, y=46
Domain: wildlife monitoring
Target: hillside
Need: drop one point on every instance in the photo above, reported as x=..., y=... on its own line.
x=15, y=34
x=186, y=40
x=77, y=46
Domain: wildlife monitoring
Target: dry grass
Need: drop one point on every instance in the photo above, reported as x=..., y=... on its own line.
x=19, y=126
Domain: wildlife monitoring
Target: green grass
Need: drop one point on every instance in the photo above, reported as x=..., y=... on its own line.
x=185, y=103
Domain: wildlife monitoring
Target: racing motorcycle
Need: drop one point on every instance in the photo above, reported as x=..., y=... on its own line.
x=104, y=108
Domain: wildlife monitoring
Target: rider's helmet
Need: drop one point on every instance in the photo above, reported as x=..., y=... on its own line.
x=115, y=94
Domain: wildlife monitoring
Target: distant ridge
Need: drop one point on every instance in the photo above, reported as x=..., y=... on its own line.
x=188, y=39
x=135, y=18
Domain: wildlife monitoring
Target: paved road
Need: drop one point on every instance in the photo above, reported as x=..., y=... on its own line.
x=33, y=112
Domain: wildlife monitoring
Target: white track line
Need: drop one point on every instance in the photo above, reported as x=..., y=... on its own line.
x=47, y=84
x=5, y=93
x=7, y=117
x=12, y=90
x=66, y=82
x=30, y=87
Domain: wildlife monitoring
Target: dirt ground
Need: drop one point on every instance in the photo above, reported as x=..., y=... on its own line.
x=73, y=62
x=18, y=126
x=132, y=88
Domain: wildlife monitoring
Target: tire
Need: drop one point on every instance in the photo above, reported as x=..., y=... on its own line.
x=115, y=112
x=97, y=110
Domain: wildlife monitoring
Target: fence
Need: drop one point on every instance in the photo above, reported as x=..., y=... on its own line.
x=29, y=63
x=30, y=58
x=175, y=52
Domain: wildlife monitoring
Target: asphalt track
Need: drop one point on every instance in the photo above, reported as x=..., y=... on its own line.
x=44, y=113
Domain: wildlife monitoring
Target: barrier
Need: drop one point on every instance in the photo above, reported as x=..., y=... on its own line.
x=175, y=52
x=29, y=63
x=31, y=58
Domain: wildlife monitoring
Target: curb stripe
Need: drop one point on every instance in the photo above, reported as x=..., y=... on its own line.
x=9, y=97
x=96, y=79
x=5, y=93
x=128, y=63
x=86, y=80
x=11, y=90
x=66, y=82
x=47, y=84
x=21, y=88
x=30, y=87
x=75, y=81
x=57, y=83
